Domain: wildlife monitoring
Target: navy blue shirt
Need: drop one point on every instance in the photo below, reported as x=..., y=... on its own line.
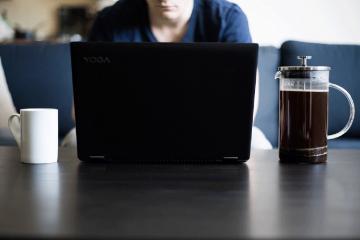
x=211, y=21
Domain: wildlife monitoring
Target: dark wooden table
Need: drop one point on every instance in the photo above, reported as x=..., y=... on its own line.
x=260, y=199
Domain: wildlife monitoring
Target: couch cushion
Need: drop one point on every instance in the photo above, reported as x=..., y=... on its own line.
x=267, y=117
x=39, y=76
x=345, y=143
x=345, y=63
x=6, y=138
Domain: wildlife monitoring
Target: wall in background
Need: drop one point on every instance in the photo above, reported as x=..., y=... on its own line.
x=327, y=21
x=37, y=14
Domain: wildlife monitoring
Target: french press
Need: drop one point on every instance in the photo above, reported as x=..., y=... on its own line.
x=303, y=112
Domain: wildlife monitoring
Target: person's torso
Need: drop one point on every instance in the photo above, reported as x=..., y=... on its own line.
x=128, y=21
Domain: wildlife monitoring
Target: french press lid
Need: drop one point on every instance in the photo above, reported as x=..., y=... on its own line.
x=304, y=66
x=303, y=70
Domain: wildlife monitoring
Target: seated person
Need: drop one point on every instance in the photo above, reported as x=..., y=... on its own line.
x=171, y=21
x=175, y=21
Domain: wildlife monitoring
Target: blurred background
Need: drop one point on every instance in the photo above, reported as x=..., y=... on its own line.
x=271, y=21
x=48, y=20
x=39, y=75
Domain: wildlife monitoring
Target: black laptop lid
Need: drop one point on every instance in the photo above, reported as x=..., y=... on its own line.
x=154, y=102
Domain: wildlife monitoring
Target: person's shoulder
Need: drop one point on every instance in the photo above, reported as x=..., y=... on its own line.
x=221, y=8
x=223, y=21
x=121, y=9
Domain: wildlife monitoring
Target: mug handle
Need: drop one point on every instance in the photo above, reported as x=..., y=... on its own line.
x=352, y=112
x=15, y=128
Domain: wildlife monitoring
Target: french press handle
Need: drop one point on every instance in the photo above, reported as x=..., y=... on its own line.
x=352, y=112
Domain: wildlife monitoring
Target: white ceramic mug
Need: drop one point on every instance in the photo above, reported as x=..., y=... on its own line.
x=36, y=133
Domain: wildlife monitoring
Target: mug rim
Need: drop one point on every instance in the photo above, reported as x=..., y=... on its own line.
x=38, y=110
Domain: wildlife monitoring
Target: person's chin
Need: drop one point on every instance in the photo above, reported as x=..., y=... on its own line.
x=171, y=15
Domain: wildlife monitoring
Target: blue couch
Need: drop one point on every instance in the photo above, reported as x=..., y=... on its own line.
x=39, y=75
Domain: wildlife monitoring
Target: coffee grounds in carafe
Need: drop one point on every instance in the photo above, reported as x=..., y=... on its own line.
x=303, y=126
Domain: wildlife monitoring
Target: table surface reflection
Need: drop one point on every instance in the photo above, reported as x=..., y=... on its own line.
x=260, y=199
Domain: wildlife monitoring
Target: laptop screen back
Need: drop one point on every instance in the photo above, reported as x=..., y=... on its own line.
x=164, y=102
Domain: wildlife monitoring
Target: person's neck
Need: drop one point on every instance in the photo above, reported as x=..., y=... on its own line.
x=161, y=22
x=170, y=30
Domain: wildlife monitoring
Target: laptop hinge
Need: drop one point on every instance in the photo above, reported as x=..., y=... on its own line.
x=97, y=157
x=231, y=158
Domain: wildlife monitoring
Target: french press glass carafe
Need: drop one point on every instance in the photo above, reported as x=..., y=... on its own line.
x=303, y=112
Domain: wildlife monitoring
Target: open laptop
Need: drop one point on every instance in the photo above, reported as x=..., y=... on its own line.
x=164, y=102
